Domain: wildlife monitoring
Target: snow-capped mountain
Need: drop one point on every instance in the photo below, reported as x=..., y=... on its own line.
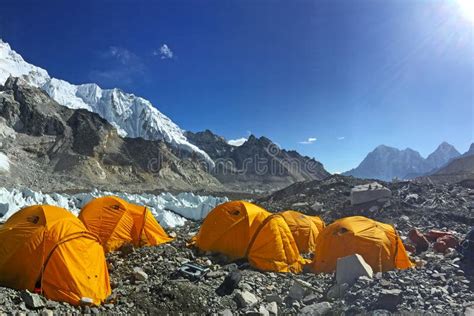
x=442, y=155
x=386, y=163
x=133, y=116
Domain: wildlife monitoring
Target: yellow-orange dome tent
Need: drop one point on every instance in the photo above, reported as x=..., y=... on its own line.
x=305, y=229
x=47, y=248
x=118, y=222
x=378, y=243
x=240, y=229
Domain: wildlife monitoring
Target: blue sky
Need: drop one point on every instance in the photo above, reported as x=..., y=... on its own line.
x=349, y=74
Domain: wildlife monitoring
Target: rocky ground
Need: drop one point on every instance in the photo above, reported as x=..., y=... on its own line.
x=147, y=280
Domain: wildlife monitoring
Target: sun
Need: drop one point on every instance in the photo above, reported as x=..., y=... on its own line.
x=467, y=8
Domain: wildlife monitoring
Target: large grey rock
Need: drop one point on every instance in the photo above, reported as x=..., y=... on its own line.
x=350, y=268
x=469, y=311
x=245, y=299
x=389, y=299
x=369, y=192
x=297, y=291
x=32, y=301
x=316, y=309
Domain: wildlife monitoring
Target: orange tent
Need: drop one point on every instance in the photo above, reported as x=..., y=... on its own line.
x=305, y=229
x=118, y=222
x=240, y=229
x=378, y=243
x=48, y=248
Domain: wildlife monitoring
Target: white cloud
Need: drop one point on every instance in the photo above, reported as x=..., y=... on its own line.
x=237, y=142
x=341, y=138
x=165, y=52
x=309, y=141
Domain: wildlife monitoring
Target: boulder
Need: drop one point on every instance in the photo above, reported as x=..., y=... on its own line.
x=316, y=309
x=245, y=299
x=230, y=283
x=419, y=240
x=32, y=301
x=434, y=234
x=469, y=311
x=297, y=292
x=442, y=244
x=369, y=192
x=389, y=299
x=350, y=268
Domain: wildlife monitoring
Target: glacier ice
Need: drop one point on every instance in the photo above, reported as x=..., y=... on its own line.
x=4, y=163
x=170, y=210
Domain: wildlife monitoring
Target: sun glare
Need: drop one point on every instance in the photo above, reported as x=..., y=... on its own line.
x=467, y=8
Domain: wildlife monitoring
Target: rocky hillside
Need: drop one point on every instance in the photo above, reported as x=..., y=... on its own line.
x=386, y=163
x=258, y=163
x=457, y=170
x=51, y=147
x=442, y=155
x=148, y=280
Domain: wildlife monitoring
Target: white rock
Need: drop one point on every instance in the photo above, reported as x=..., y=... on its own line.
x=350, y=268
x=263, y=311
x=272, y=308
x=318, y=207
x=86, y=301
x=299, y=204
x=139, y=274
x=245, y=299
x=316, y=309
x=369, y=192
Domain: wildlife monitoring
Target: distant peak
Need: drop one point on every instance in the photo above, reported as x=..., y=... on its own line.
x=445, y=145
x=252, y=138
x=471, y=149
x=385, y=148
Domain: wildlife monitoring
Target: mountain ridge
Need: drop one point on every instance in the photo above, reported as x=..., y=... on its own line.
x=386, y=163
x=58, y=148
x=131, y=115
x=258, y=161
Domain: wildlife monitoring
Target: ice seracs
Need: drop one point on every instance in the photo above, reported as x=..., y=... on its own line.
x=170, y=210
x=133, y=116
